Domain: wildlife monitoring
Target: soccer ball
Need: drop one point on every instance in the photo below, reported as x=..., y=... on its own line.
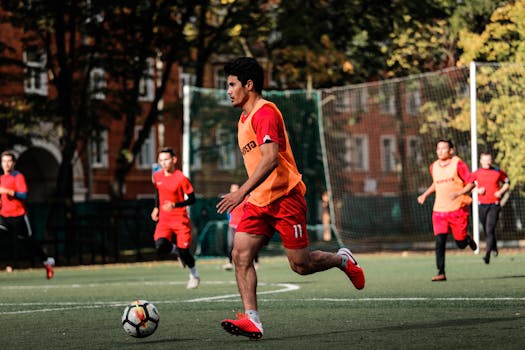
x=140, y=319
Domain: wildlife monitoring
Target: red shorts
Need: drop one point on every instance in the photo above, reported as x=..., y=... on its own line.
x=455, y=222
x=179, y=227
x=287, y=215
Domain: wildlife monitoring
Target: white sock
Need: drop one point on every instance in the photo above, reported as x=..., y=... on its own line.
x=253, y=315
x=194, y=272
x=344, y=260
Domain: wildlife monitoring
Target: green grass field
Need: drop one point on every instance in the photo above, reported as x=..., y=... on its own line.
x=479, y=307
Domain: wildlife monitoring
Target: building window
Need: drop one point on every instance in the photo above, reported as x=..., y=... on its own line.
x=387, y=99
x=195, y=154
x=388, y=147
x=147, y=82
x=227, y=149
x=413, y=102
x=97, y=83
x=35, y=80
x=414, y=150
x=146, y=156
x=353, y=101
x=220, y=81
x=356, y=153
x=98, y=149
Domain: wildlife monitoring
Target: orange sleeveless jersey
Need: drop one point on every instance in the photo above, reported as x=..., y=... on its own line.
x=447, y=181
x=282, y=179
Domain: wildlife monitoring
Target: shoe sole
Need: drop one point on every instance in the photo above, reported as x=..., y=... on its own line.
x=234, y=330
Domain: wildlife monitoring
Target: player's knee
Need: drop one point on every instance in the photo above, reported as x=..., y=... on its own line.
x=300, y=268
x=163, y=246
x=462, y=244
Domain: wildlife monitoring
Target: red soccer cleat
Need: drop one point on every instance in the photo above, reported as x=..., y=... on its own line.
x=352, y=269
x=243, y=326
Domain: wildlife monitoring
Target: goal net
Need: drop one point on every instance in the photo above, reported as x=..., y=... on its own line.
x=369, y=146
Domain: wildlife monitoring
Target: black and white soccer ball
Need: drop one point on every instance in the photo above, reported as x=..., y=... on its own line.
x=140, y=319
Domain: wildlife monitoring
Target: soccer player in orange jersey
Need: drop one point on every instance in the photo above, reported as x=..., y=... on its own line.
x=13, y=212
x=491, y=183
x=171, y=214
x=452, y=181
x=276, y=197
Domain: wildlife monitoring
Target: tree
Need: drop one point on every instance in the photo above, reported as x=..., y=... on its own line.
x=501, y=120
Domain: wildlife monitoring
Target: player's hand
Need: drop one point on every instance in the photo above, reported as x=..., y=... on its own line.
x=229, y=202
x=497, y=194
x=421, y=199
x=481, y=190
x=155, y=214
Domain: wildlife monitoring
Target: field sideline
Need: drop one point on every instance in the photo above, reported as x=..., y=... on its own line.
x=479, y=307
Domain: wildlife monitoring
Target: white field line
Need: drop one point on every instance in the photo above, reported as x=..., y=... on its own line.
x=63, y=306
x=284, y=287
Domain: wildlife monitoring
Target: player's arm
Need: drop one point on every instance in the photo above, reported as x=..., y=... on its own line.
x=468, y=178
x=155, y=211
x=188, y=201
x=269, y=161
x=431, y=189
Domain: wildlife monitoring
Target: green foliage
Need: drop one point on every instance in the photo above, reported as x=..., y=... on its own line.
x=500, y=86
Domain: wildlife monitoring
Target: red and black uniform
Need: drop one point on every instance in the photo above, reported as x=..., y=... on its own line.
x=172, y=187
x=13, y=213
x=489, y=205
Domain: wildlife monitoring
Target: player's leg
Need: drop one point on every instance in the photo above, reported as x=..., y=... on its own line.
x=245, y=248
x=441, y=244
x=22, y=227
x=458, y=221
x=229, y=248
x=290, y=221
x=183, y=233
x=491, y=223
x=483, y=210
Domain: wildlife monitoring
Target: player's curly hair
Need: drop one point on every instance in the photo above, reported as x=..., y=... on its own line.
x=246, y=68
x=9, y=154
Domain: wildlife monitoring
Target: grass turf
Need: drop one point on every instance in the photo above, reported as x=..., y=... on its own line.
x=479, y=307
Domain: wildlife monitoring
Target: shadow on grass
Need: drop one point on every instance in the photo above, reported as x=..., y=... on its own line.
x=402, y=327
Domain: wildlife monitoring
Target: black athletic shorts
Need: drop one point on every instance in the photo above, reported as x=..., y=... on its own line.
x=16, y=224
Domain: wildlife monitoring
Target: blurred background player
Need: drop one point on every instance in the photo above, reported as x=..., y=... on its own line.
x=13, y=212
x=276, y=197
x=492, y=183
x=171, y=214
x=452, y=181
x=233, y=219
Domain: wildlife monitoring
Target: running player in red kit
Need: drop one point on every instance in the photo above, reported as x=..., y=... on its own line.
x=452, y=181
x=13, y=213
x=171, y=214
x=491, y=182
x=276, y=198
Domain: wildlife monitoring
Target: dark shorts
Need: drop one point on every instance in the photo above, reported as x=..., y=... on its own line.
x=287, y=215
x=16, y=224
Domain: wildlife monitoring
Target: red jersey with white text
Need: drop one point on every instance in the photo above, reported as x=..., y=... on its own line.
x=11, y=205
x=490, y=179
x=172, y=187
